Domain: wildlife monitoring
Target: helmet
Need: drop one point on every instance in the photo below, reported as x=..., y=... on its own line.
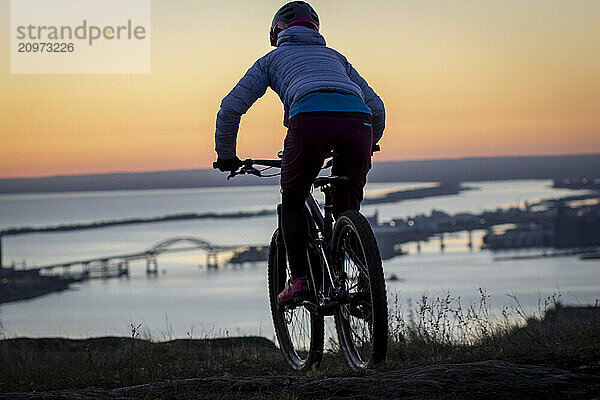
x=293, y=13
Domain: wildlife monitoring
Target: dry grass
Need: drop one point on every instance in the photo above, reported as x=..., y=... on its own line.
x=432, y=331
x=442, y=329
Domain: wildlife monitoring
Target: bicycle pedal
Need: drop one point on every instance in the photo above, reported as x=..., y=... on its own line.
x=292, y=303
x=329, y=309
x=311, y=307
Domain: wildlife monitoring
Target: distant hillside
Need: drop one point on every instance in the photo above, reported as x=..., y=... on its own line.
x=497, y=168
x=451, y=170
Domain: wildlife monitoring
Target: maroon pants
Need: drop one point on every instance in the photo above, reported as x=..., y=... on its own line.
x=310, y=137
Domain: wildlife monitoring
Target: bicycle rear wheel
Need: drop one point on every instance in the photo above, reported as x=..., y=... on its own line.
x=300, y=333
x=362, y=322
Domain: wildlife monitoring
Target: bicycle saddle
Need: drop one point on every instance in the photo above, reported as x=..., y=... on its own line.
x=330, y=180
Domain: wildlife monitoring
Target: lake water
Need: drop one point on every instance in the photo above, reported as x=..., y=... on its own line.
x=186, y=299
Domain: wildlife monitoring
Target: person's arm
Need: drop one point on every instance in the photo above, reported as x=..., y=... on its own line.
x=249, y=89
x=372, y=100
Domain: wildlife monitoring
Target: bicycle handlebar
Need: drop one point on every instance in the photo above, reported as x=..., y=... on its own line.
x=248, y=164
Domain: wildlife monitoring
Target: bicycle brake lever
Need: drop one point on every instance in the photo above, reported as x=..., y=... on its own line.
x=232, y=174
x=254, y=171
x=244, y=170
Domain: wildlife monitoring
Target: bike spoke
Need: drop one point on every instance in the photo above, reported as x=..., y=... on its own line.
x=357, y=313
x=297, y=320
x=354, y=259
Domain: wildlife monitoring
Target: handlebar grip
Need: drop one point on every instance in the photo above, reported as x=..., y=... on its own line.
x=215, y=165
x=376, y=147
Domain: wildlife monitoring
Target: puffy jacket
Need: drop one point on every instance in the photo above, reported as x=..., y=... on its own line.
x=300, y=64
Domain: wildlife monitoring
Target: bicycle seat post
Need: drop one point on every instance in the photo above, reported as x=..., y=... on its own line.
x=328, y=218
x=327, y=185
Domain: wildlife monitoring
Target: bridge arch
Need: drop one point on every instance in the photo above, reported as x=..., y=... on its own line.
x=165, y=245
x=212, y=251
x=118, y=265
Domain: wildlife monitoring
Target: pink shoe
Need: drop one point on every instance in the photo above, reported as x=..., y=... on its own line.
x=295, y=291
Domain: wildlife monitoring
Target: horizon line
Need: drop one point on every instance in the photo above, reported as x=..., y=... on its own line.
x=374, y=162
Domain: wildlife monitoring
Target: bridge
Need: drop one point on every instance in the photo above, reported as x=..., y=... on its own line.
x=118, y=265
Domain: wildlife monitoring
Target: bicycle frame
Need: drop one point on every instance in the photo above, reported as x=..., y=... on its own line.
x=320, y=228
x=329, y=293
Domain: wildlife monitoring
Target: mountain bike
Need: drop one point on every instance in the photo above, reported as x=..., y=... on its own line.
x=346, y=281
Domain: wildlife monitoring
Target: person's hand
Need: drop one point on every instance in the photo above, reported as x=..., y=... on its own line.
x=229, y=164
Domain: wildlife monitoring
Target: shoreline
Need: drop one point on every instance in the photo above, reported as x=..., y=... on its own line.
x=27, y=285
x=441, y=189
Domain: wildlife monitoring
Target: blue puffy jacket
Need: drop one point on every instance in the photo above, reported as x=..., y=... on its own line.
x=300, y=64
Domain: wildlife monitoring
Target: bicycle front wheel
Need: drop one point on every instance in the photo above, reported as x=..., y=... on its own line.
x=362, y=321
x=299, y=332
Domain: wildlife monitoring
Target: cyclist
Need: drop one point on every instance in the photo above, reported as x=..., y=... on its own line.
x=328, y=106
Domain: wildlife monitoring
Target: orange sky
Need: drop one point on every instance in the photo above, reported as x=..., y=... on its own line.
x=459, y=78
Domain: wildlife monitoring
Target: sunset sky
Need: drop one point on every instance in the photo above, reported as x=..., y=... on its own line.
x=459, y=79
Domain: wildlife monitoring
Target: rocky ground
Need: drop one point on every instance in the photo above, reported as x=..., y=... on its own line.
x=492, y=379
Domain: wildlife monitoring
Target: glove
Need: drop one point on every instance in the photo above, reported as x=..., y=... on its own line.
x=229, y=164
